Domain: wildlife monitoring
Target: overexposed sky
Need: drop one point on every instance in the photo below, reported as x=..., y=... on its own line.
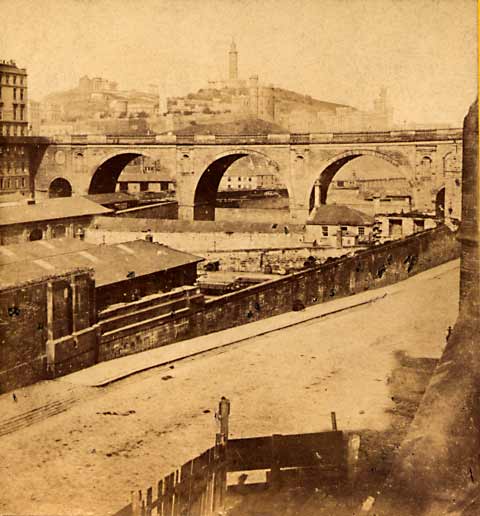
x=423, y=51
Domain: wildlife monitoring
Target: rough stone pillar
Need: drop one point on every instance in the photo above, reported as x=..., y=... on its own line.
x=469, y=229
x=437, y=470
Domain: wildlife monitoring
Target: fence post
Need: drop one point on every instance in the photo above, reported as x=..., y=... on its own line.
x=148, y=508
x=334, y=421
x=160, y=498
x=275, y=478
x=137, y=508
x=353, y=447
x=134, y=498
x=223, y=415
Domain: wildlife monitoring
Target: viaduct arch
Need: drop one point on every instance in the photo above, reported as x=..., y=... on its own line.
x=207, y=183
x=105, y=176
x=333, y=165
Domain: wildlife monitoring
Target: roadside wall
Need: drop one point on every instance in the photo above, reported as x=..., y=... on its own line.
x=373, y=268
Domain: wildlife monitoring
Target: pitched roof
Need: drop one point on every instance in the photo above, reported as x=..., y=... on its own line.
x=335, y=215
x=50, y=209
x=111, y=263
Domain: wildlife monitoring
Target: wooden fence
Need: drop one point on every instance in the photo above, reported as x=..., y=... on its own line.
x=196, y=489
x=199, y=487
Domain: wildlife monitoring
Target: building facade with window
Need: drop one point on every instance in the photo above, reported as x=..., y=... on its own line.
x=339, y=226
x=14, y=169
x=13, y=100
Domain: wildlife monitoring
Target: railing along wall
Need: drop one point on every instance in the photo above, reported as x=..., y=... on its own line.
x=416, y=135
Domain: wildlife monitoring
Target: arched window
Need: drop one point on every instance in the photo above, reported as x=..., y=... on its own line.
x=426, y=163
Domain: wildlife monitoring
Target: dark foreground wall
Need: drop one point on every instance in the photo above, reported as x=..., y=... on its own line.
x=437, y=469
x=373, y=268
x=40, y=320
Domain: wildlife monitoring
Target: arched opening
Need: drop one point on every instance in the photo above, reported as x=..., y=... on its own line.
x=243, y=181
x=367, y=181
x=440, y=204
x=105, y=178
x=148, y=177
x=60, y=187
x=35, y=234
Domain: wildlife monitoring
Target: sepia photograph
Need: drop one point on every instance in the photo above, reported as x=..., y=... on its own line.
x=239, y=258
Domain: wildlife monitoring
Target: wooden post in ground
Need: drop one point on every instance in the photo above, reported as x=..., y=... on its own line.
x=136, y=503
x=148, y=508
x=275, y=479
x=223, y=415
x=334, y=421
x=353, y=447
x=160, y=498
x=217, y=484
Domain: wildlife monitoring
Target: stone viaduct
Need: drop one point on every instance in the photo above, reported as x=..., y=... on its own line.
x=430, y=161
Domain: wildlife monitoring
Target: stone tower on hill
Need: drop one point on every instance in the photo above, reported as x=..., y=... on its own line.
x=233, y=62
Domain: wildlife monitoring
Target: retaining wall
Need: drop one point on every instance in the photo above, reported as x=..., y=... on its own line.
x=376, y=267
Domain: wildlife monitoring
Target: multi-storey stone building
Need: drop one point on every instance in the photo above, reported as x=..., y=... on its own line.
x=14, y=156
x=14, y=168
x=13, y=99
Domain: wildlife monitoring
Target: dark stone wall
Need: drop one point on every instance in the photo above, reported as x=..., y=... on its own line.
x=436, y=469
x=469, y=229
x=23, y=333
x=370, y=269
x=26, y=326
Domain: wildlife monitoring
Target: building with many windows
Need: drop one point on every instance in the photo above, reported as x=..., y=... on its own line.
x=13, y=100
x=14, y=169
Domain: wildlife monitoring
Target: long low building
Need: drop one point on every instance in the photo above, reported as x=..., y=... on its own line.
x=122, y=272
x=47, y=219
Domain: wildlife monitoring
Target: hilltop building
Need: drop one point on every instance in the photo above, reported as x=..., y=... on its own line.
x=235, y=97
x=96, y=105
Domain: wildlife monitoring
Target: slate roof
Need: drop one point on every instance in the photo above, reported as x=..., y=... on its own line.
x=111, y=263
x=50, y=209
x=339, y=215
